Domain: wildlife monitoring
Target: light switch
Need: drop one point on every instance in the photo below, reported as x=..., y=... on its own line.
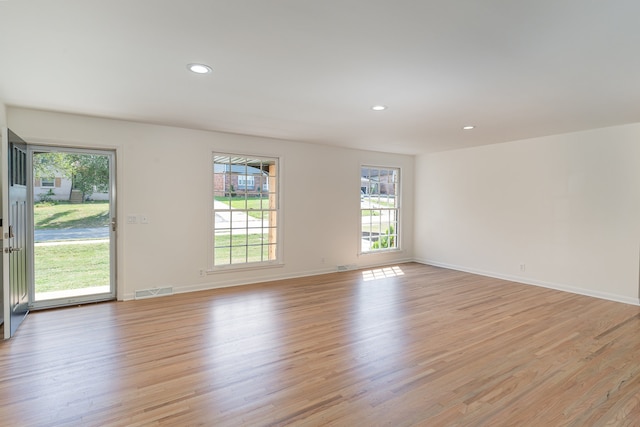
x=132, y=219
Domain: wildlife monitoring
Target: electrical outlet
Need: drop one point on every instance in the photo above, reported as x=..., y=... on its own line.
x=202, y=271
x=523, y=267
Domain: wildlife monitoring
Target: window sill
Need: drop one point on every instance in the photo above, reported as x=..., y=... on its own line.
x=244, y=267
x=382, y=251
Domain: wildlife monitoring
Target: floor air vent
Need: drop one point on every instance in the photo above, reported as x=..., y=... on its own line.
x=154, y=292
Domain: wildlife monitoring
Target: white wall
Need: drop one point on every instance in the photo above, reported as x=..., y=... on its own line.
x=566, y=206
x=59, y=193
x=165, y=173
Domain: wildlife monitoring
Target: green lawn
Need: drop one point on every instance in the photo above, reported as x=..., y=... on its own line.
x=71, y=266
x=253, y=252
x=64, y=215
x=252, y=202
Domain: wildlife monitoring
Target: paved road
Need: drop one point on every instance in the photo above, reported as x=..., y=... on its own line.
x=71, y=234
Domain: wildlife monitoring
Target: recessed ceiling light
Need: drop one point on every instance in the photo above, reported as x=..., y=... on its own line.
x=199, y=68
x=468, y=127
x=379, y=107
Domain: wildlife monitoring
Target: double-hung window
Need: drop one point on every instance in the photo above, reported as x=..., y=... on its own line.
x=47, y=182
x=246, y=182
x=379, y=208
x=245, y=210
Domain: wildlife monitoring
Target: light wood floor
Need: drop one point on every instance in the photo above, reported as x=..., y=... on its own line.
x=414, y=345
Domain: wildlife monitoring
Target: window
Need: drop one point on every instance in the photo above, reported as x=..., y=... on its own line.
x=379, y=208
x=246, y=182
x=245, y=210
x=47, y=182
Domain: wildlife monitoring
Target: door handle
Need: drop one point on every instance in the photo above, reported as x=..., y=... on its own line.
x=11, y=249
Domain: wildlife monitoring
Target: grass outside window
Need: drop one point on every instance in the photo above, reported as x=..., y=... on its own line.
x=252, y=204
x=64, y=215
x=245, y=248
x=71, y=265
x=64, y=267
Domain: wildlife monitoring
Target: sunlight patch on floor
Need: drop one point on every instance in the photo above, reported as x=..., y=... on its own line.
x=382, y=273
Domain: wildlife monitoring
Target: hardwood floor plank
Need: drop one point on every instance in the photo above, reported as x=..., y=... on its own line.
x=403, y=346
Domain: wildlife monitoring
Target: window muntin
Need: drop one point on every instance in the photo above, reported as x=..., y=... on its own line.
x=245, y=210
x=379, y=208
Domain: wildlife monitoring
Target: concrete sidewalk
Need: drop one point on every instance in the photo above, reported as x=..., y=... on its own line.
x=235, y=219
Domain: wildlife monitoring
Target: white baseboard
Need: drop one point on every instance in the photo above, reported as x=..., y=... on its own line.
x=529, y=281
x=230, y=282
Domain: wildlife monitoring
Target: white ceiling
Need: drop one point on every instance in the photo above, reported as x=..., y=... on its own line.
x=310, y=70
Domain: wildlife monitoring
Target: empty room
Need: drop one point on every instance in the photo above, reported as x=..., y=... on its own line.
x=354, y=213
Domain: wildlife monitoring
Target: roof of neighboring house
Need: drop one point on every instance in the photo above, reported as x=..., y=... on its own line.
x=239, y=169
x=375, y=174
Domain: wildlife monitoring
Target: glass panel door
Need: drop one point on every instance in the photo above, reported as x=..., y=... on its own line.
x=73, y=213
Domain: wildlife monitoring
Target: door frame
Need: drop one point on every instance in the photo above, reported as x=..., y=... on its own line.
x=60, y=302
x=4, y=174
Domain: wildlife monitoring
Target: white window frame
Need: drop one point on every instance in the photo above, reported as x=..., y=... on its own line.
x=48, y=180
x=379, y=232
x=270, y=251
